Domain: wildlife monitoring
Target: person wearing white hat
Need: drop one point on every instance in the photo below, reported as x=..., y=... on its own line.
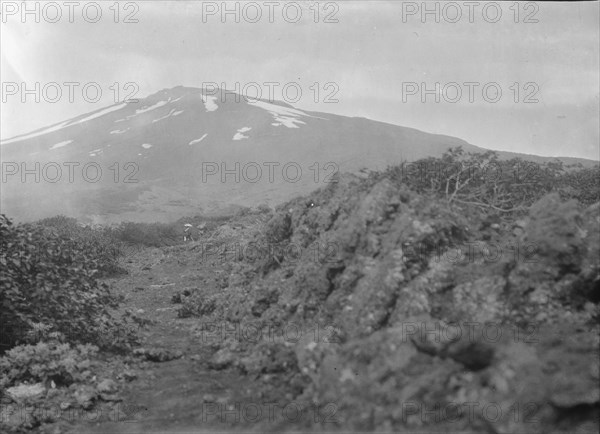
x=187, y=235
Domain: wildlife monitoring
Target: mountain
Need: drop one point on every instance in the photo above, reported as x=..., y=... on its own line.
x=165, y=156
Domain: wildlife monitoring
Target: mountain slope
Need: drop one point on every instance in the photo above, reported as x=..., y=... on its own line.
x=181, y=151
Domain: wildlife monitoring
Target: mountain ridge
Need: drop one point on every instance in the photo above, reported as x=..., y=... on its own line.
x=174, y=140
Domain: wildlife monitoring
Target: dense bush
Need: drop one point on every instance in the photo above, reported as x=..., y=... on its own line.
x=45, y=362
x=582, y=184
x=486, y=181
x=48, y=282
x=102, y=243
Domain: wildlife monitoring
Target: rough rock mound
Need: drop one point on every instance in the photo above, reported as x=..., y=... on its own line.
x=409, y=315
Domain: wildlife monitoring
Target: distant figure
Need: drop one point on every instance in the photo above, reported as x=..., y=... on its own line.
x=187, y=232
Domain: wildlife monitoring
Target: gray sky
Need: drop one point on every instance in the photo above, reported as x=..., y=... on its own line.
x=371, y=53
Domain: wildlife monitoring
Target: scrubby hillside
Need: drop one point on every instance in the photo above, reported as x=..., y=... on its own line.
x=406, y=313
x=456, y=301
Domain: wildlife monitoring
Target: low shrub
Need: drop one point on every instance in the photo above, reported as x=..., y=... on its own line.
x=49, y=281
x=101, y=243
x=46, y=362
x=504, y=186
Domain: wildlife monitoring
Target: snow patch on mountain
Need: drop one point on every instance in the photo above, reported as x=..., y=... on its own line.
x=171, y=113
x=68, y=123
x=278, y=109
x=198, y=140
x=61, y=144
x=239, y=135
x=35, y=134
x=146, y=109
x=283, y=115
x=288, y=121
x=152, y=107
x=209, y=102
x=101, y=113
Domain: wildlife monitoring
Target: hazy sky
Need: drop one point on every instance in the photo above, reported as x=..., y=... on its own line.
x=374, y=54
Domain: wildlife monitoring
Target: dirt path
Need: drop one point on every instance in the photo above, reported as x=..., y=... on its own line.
x=180, y=395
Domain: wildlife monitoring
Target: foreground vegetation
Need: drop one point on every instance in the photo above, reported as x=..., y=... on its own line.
x=58, y=314
x=501, y=186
